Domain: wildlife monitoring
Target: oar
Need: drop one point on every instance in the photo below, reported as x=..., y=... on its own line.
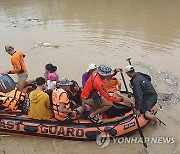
x=135, y=116
x=129, y=61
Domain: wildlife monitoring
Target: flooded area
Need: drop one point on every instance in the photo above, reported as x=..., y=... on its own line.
x=72, y=34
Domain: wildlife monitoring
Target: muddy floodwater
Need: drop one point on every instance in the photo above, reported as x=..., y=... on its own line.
x=73, y=33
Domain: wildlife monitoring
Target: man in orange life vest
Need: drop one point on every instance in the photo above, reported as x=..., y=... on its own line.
x=19, y=68
x=61, y=102
x=96, y=95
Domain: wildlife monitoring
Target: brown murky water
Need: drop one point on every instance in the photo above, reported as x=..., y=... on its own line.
x=82, y=32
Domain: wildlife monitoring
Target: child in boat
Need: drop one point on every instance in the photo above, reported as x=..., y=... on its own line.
x=50, y=68
x=51, y=82
x=61, y=103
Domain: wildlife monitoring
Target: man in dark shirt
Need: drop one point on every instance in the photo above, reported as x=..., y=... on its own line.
x=144, y=93
x=75, y=94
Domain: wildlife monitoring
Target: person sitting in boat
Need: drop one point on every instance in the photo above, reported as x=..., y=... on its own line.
x=50, y=68
x=75, y=98
x=95, y=94
x=86, y=75
x=51, y=82
x=144, y=93
x=61, y=103
x=19, y=67
x=39, y=102
x=75, y=94
x=112, y=85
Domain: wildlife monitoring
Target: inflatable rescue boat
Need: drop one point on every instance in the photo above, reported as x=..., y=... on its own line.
x=120, y=120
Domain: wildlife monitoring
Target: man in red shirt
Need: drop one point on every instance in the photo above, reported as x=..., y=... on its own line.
x=95, y=94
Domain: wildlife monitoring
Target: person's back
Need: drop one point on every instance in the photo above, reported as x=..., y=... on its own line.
x=145, y=82
x=39, y=102
x=144, y=93
x=19, y=67
x=18, y=58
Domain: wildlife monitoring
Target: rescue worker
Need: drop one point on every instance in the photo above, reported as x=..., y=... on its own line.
x=95, y=94
x=19, y=67
x=61, y=102
x=144, y=93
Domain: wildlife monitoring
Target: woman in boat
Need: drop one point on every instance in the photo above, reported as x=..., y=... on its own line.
x=50, y=68
x=75, y=94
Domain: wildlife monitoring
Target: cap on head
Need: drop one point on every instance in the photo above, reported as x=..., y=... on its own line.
x=9, y=47
x=64, y=82
x=105, y=70
x=129, y=68
x=91, y=67
x=51, y=76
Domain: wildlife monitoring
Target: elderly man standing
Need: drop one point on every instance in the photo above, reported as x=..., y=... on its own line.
x=19, y=67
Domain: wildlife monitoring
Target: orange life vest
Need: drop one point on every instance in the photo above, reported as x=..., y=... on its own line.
x=11, y=99
x=56, y=95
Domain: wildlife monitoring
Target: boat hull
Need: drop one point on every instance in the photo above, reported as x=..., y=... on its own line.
x=78, y=130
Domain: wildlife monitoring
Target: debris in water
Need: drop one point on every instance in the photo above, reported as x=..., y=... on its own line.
x=42, y=44
x=33, y=19
x=170, y=80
